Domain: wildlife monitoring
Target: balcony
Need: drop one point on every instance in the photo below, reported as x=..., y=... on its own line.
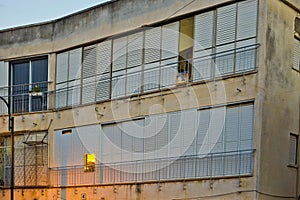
x=26, y=97
x=155, y=77
x=214, y=165
x=135, y=81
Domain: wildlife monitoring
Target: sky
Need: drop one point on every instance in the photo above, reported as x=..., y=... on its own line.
x=15, y=13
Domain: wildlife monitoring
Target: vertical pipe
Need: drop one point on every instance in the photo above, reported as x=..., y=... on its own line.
x=12, y=169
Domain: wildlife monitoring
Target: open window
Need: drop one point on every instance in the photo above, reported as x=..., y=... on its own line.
x=186, y=41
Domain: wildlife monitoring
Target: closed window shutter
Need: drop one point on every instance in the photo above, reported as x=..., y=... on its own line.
x=135, y=49
x=175, y=134
x=202, y=65
x=89, y=61
x=246, y=19
x=226, y=26
x=170, y=40
x=151, y=79
x=104, y=57
x=103, y=70
x=119, y=54
x=226, y=22
x=246, y=127
x=3, y=86
x=246, y=31
x=203, y=43
x=74, y=76
x=127, y=142
x=202, y=142
x=189, y=131
x=133, y=81
x=152, y=45
x=150, y=140
x=293, y=149
x=137, y=133
x=88, y=74
x=162, y=127
x=118, y=84
x=297, y=54
x=61, y=79
x=152, y=48
x=135, y=57
x=232, y=124
x=119, y=64
x=169, y=72
x=204, y=27
x=111, y=143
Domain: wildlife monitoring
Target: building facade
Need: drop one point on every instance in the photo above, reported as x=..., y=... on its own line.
x=158, y=99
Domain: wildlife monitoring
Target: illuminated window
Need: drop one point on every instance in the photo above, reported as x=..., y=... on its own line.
x=185, y=50
x=89, y=162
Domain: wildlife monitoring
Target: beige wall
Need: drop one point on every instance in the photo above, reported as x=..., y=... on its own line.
x=274, y=87
x=280, y=100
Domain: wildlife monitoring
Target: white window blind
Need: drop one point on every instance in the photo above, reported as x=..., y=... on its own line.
x=203, y=31
x=203, y=43
x=88, y=74
x=151, y=79
x=226, y=24
x=152, y=45
x=69, y=149
x=170, y=40
x=119, y=64
x=246, y=19
x=103, y=70
x=135, y=49
x=62, y=67
x=246, y=31
x=119, y=54
x=74, y=76
x=226, y=29
x=133, y=80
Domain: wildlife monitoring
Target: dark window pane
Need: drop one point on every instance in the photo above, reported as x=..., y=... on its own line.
x=20, y=87
x=39, y=76
x=39, y=70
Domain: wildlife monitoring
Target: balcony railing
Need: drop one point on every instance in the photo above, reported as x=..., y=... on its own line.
x=156, y=76
x=238, y=163
x=26, y=97
x=135, y=81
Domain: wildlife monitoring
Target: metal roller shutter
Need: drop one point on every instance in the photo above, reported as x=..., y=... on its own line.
x=103, y=70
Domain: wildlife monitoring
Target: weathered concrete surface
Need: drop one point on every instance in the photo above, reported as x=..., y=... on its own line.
x=280, y=100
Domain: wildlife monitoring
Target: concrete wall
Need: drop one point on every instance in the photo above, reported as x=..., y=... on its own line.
x=216, y=189
x=274, y=88
x=98, y=23
x=280, y=101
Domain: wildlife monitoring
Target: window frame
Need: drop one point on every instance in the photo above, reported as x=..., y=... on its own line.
x=296, y=53
x=31, y=86
x=295, y=148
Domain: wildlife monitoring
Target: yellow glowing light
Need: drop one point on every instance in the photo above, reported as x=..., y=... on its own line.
x=89, y=162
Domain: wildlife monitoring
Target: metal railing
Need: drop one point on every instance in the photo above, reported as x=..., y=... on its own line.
x=238, y=163
x=156, y=76
x=26, y=97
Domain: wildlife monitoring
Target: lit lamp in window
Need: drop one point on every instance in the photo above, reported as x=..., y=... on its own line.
x=89, y=162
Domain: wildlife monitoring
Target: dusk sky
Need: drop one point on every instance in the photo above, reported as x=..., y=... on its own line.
x=20, y=12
